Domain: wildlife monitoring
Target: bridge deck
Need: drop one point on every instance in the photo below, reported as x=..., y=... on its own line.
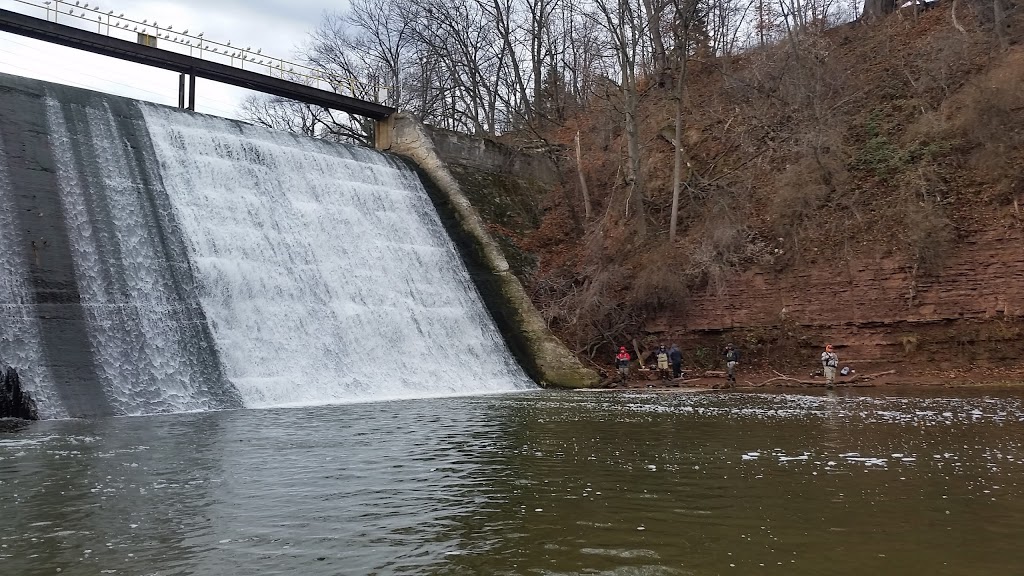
x=64, y=35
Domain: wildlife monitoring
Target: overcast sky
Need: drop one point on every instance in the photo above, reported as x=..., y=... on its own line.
x=279, y=27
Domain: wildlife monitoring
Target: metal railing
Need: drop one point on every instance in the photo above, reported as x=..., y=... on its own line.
x=120, y=26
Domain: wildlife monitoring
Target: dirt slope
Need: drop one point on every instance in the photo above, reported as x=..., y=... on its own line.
x=863, y=189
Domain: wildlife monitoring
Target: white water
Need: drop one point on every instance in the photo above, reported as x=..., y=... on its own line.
x=326, y=273
x=143, y=361
x=20, y=342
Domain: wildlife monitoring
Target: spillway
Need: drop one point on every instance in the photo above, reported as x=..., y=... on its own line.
x=202, y=263
x=20, y=344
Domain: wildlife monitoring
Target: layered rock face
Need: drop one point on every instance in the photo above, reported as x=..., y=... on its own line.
x=878, y=310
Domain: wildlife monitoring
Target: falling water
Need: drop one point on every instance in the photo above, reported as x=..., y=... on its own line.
x=154, y=260
x=20, y=343
x=326, y=273
x=144, y=325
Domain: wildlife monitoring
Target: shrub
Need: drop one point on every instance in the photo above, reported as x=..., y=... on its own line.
x=929, y=236
x=909, y=343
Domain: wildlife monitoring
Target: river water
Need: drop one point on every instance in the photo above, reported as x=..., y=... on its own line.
x=528, y=483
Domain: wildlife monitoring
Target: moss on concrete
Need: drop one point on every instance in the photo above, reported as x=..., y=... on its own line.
x=508, y=205
x=544, y=358
x=541, y=354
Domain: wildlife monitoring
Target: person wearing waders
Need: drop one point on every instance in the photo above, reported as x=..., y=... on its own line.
x=675, y=356
x=732, y=358
x=662, y=362
x=622, y=363
x=829, y=363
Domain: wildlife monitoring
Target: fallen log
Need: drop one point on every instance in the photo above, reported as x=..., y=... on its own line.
x=865, y=377
x=789, y=381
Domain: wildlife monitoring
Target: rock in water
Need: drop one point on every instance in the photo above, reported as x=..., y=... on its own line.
x=15, y=402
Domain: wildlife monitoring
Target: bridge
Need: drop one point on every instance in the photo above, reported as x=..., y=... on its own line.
x=189, y=67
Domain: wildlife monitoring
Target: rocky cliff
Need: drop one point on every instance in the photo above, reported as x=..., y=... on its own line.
x=869, y=196
x=877, y=309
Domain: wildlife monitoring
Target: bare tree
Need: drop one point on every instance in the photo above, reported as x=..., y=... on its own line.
x=655, y=10
x=504, y=13
x=300, y=118
x=368, y=40
x=464, y=42
x=878, y=8
x=765, y=21
x=583, y=179
x=624, y=24
x=358, y=53
x=579, y=44
x=537, y=30
x=685, y=13
x=281, y=114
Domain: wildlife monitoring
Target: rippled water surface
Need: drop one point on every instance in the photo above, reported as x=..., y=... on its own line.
x=538, y=483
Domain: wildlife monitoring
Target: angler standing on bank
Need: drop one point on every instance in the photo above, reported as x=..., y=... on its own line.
x=829, y=363
x=622, y=363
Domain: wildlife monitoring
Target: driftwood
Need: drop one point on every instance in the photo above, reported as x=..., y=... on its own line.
x=617, y=383
x=795, y=382
x=675, y=382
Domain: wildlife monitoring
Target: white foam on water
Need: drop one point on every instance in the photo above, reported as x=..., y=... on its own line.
x=326, y=273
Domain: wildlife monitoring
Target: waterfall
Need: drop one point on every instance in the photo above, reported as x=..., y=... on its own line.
x=325, y=272
x=20, y=341
x=154, y=260
x=142, y=316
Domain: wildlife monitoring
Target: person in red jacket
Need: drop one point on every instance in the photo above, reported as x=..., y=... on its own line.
x=622, y=363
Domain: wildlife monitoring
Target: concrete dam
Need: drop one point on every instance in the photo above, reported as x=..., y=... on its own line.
x=154, y=260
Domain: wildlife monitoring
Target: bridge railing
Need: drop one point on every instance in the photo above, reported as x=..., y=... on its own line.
x=117, y=25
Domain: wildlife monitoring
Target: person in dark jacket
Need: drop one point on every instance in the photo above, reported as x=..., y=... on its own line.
x=732, y=359
x=675, y=357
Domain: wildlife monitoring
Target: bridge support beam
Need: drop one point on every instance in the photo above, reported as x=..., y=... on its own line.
x=188, y=103
x=383, y=132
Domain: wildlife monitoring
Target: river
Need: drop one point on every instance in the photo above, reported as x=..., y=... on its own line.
x=844, y=483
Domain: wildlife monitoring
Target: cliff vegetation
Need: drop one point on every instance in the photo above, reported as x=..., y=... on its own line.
x=847, y=185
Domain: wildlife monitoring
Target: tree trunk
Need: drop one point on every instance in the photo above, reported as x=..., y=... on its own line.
x=878, y=8
x=636, y=185
x=537, y=20
x=654, y=25
x=583, y=179
x=999, y=16
x=677, y=173
x=505, y=30
x=762, y=22
x=622, y=25
x=956, y=24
